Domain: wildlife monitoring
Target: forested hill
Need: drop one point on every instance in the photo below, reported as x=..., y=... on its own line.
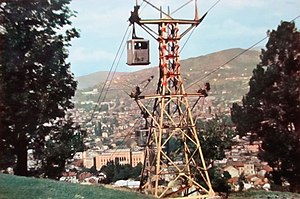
x=229, y=83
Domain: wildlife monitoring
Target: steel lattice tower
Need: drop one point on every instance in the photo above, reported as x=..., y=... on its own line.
x=183, y=172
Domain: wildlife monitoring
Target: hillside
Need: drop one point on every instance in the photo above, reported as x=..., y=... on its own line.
x=228, y=84
x=196, y=65
x=93, y=79
x=15, y=187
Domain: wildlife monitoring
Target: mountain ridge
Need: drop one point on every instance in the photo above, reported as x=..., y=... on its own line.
x=204, y=62
x=228, y=79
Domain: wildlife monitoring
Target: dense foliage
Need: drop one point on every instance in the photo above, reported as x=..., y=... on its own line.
x=270, y=111
x=215, y=137
x=36, y=84
x=115, y=171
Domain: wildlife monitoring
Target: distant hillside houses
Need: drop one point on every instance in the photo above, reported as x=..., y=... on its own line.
x=242, y=160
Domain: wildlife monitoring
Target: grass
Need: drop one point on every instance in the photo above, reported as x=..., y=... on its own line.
x=15, y=187
x=254, y=194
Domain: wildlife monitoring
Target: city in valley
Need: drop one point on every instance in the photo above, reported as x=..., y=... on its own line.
x=114, y=133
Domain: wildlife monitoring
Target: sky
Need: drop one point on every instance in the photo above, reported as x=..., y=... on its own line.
x=229, y=24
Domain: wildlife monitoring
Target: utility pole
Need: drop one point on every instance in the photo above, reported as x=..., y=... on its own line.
x=182, y=172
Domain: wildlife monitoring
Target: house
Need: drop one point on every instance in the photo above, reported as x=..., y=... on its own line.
x=232, y=171
x=252, y=148
x=249, y=169
x=127, y=183
x=237, y=168
x=69, y=177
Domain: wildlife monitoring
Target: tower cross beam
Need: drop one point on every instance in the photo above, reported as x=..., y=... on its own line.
x=174, y=164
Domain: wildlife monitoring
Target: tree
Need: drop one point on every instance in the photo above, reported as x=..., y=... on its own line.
x=35, y=79
x=136, y=171
x=241, y=181
x=220, y=180
x=62, y=142
x=108, y=169
x=270, y=111
x=215, y=137
x=115, y=171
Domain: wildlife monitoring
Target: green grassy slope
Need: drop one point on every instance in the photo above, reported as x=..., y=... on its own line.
x=14, y=187
x=264, y=195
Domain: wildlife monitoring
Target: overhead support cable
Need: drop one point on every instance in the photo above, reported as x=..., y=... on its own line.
x=233, y=58
x=163, y=124
x=156, y=8
x=149, y=31
x=295, y=18
x=213, y=5
x=176, y=10
x=194, y=27
x=124, y=46
x=128, y=134
x=142, y=7
x=108, y=76
x=188, y=38
x=230, y=60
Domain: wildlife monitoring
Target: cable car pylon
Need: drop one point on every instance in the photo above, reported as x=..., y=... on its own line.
x=174, y=165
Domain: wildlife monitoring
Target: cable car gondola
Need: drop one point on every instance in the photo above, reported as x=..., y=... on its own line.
x=138, y=52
